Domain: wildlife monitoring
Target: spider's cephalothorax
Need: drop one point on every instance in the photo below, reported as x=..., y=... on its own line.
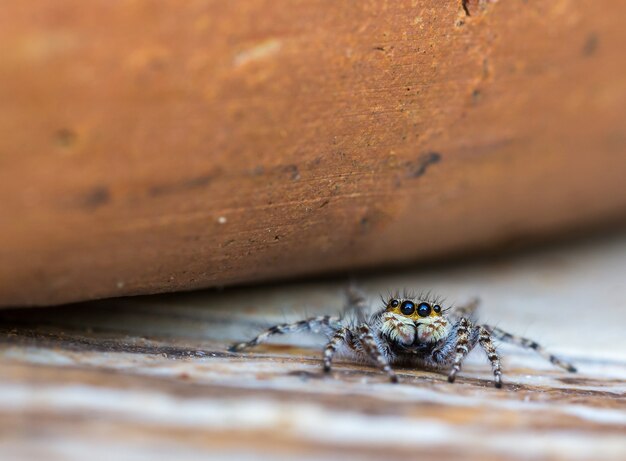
x=409, y=323
x=408, y=330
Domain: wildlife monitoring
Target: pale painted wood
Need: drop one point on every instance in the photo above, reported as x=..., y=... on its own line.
x=149, y=378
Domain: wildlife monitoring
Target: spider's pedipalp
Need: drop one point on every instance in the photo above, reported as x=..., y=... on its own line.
x=530, y=344
x=313, y=324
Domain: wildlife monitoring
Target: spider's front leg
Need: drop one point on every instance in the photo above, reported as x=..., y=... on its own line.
x=341, y=336
x=467, y=336
x=462, y=346
x=484, y=339
x=370, y=346
x=326, y=322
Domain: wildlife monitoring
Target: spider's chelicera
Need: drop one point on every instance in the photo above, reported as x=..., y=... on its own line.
x=408, y=330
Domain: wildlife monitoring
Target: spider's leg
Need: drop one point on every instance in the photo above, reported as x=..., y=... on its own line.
x=357, y=303
x=484, y=339
x=462, y=347
x=340, y=336
x=529, y=344
x=371, y=348
x=468, y=310
x=313, y=324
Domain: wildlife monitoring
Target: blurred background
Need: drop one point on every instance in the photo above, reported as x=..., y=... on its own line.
x=268, y=152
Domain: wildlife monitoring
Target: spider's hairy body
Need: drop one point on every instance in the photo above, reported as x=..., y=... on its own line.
x=408, y=330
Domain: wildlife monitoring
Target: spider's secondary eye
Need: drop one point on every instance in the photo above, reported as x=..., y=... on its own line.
x=407, y=308
x=437, y=308
x=423, y=310
x=394, y=303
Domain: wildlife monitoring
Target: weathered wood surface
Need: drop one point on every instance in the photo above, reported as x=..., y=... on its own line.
x=149, y=378
x=155, y=146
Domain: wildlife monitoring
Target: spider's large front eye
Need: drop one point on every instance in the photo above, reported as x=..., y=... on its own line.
x=407, y=308
x=394, y=303
x=423, y=310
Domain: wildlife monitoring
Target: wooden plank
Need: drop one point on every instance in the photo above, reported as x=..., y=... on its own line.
x=154, y=146
x=150, y=378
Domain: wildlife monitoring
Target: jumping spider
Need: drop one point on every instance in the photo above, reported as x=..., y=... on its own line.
x=407, y=330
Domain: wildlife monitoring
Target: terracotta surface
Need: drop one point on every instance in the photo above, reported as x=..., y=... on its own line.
x=152, y=146
x=149, y=378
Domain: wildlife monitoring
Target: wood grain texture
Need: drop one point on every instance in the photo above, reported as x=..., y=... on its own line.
x=149, y=146
x=149, y=378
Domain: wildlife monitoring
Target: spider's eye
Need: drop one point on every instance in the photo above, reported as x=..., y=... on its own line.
x=437, y=308
x=407, y=308
x=394, y=303
x=423, y=310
